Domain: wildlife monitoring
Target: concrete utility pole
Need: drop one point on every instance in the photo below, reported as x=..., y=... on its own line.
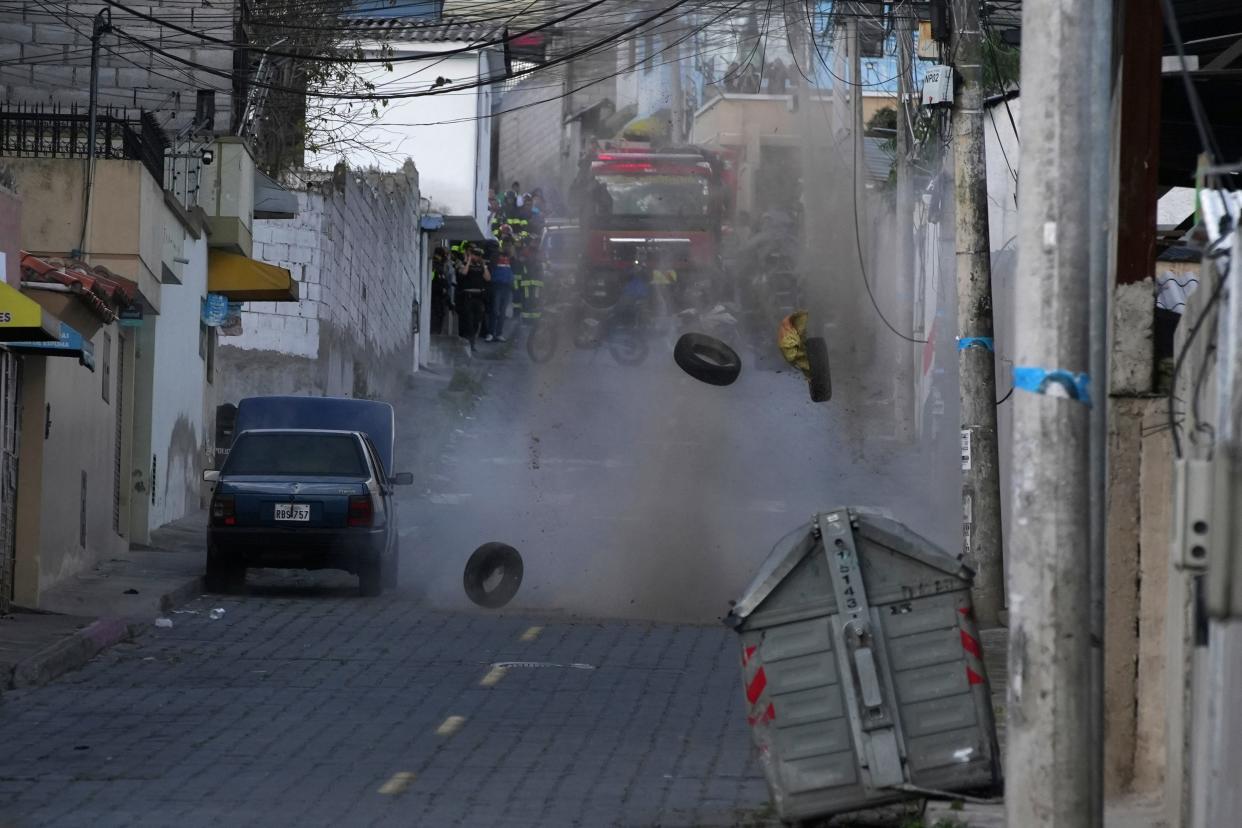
x=981, y=504
x=102, y=26
x=678, y=102
x=1051, y=717
x=904, y=287
x=856, y=122
x=1220, y=737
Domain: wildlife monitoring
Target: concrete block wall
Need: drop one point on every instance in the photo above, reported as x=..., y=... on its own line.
x=530, y=136
x=355, y=250
x=58, y=35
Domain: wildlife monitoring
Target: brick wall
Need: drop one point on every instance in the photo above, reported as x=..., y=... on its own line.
x=45, y=56
x=355, y=251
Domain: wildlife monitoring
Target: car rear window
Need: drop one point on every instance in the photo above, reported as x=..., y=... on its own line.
x=297, y=455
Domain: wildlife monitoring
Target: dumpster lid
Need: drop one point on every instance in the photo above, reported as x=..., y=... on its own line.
x=874, y=525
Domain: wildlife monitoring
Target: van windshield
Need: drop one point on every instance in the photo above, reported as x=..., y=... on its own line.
x=293, y=454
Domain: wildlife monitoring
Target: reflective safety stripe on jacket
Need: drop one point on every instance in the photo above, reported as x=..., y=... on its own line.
x=530, y=298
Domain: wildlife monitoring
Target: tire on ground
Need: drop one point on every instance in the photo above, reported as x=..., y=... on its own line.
x=487, y=560
x=371, y=576
x=222, y=576
x=392, y=566
x=707, y=359
x=821, y=377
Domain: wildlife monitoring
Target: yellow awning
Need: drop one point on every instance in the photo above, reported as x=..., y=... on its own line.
x=243, y=279
x=22, y=319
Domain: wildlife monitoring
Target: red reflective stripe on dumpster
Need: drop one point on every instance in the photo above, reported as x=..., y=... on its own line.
x=750, y=651
x=970, y=645
x=755, y=688
x=973, y=677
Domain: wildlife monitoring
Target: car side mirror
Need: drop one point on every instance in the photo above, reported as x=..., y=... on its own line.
x=211, y=476
x=402, y=479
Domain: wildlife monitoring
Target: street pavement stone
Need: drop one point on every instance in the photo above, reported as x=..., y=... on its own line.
x=303, y=700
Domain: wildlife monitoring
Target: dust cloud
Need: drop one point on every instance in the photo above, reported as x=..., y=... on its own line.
x=635, y=491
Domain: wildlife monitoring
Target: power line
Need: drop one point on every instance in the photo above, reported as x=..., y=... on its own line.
x=630, y=68
x=413, y=94
x=385, y=59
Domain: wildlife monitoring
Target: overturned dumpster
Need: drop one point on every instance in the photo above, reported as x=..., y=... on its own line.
x=862, y=669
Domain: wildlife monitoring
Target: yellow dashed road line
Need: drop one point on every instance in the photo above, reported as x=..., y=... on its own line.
x=494, y=675
x=398, y=783
x=531, y=634
x=450, y=725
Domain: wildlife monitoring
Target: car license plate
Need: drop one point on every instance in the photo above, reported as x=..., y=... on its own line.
x=293, y=511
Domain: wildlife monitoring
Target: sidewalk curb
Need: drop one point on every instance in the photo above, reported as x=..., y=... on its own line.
x=76, y=650
x=188, y=591
x=71, y=652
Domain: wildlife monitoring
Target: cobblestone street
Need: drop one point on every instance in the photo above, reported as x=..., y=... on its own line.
x=306, y=705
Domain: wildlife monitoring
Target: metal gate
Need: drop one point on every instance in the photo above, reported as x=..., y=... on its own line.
x=10, y=429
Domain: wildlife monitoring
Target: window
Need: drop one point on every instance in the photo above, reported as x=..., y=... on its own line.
x=651, y=195
x=202, y=341
x=290, y=454
x=106, y=370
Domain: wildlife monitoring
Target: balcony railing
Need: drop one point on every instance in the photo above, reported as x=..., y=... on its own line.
x=52, y=131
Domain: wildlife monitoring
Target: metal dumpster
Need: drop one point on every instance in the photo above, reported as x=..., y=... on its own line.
x=862, y=669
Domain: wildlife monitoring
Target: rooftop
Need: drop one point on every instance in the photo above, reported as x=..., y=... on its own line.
x=405, y=30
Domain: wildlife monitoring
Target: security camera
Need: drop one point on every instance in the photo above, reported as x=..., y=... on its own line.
x=208, y=155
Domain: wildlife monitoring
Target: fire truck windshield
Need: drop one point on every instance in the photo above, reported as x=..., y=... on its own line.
x=651, y=195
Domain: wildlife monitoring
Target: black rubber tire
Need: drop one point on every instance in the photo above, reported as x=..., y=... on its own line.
x=392, y=567
x=821, y=376
x=371, y=576
x=541, y=342
x=482, y=564
x=221, y=576
x=707, y=359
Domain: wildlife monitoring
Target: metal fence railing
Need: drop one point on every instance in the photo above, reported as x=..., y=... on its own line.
x=53, y=131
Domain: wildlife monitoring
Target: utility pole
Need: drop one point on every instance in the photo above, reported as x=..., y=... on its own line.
x=102, y=25
x=678, y=95
x=904, y=387
x=1219, y=741
x=981, y=505
x=1051, y=717
x=1100, y=280
x=856, y=121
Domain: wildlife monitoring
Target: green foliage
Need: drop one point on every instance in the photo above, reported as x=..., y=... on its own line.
x=1001, y=66
x=884, y=121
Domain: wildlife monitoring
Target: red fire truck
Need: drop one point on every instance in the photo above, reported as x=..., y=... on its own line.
x=649, y=208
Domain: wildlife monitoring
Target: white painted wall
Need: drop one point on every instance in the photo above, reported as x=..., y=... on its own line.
x=177, y=409
x=81, y=439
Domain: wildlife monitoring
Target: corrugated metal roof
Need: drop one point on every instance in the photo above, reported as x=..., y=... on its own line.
x=404, y=30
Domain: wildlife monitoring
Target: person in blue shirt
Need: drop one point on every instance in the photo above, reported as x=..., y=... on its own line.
x=502, y=292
